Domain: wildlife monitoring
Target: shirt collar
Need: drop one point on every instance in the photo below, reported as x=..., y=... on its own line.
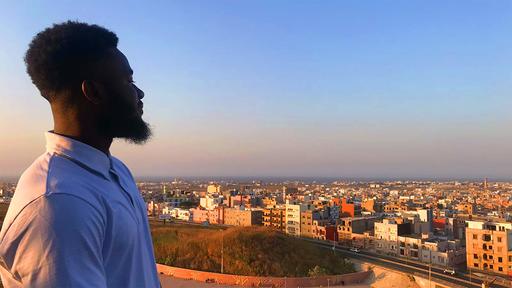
x=80, y=152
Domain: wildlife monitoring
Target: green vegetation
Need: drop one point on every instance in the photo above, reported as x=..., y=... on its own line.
x=255, y=251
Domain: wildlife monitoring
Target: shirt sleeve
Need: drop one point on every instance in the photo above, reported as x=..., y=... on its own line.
x=58, y=243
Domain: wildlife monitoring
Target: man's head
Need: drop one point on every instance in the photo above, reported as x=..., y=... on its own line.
x=78, y=68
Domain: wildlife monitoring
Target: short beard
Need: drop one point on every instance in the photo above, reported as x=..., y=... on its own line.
x=120, y=122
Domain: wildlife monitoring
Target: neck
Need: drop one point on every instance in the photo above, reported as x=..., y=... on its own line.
x=102, y=144
x=70, y=126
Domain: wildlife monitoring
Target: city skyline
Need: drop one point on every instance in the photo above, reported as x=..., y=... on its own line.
x=392, y=90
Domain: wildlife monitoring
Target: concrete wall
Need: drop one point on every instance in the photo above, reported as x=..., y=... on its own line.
x=254, y=281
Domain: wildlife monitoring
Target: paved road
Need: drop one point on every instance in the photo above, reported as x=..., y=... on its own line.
x=411, y=267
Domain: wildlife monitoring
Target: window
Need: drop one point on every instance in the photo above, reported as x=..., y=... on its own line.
x=499, y=241
x=500, y=269
x=500, y=259
x=475, y=236
x=475, y=256
x=475, y=265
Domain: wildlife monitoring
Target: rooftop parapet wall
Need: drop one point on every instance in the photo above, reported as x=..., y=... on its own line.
x=255, y=281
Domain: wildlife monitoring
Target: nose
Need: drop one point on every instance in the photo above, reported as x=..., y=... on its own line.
x=140, y=93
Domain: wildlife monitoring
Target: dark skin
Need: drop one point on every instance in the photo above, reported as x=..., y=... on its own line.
x=80, y=117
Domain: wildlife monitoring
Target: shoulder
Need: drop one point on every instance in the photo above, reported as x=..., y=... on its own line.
x=52, y=174
x=30, y=186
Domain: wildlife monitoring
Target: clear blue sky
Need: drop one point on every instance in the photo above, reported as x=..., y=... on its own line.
x=399, y=89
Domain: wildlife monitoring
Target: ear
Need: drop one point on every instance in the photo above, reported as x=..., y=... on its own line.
x=91, y=91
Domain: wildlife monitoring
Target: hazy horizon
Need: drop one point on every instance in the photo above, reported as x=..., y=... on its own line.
x=354, y=89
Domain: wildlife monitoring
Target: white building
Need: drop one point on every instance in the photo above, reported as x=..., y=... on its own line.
x=210, y=202
x=293, y=214
x=386, y=235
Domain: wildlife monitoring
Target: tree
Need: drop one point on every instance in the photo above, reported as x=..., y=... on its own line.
x=317, y=271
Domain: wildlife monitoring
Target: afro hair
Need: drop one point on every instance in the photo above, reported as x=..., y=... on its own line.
x=62, y=56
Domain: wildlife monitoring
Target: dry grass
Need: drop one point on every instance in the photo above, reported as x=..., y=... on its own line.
x=254, y=251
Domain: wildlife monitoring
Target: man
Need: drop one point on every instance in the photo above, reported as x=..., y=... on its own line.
x=77, y=218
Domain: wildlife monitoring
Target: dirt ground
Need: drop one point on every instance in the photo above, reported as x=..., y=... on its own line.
x=381, y=278
x=385, y=278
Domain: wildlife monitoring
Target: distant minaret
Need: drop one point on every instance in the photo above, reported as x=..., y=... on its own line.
x=485, y=184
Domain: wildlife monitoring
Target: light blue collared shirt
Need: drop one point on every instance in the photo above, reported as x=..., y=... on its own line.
x=76, y=219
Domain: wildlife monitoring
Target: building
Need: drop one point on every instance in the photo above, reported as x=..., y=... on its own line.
x=239, y=200
x=216, y=215
x=213, y=189
x=306, y=222
x=489, y=246
x=349, y=226
x=410, y=246
x=243, y=217
x=293, y=217
x=199, y=215
x=350, y=209
x=322, y=230
x=175, y=200
x=442, y=252
x=275, y=218
x=386, y=235
x=393, y=208
x=466, y=208
x=178, y=213
x=371, y=205
x=210, y=201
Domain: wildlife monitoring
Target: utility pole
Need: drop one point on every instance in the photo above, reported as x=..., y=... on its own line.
x=334, y=237
x=430, y=273
x=222, y=254
x=430, y=268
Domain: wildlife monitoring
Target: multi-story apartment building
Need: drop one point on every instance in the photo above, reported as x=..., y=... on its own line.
x=293, y=214
x=348, y=226
x=350, y=209
x=392, y=207
x=306, y=222
x=410, y=246
x=489, y=246
x=275, y=218
x=442, y=252
x=210, y=201
x=386, y=235
x=323, y=230
x=371, y=205
x=243, y=217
